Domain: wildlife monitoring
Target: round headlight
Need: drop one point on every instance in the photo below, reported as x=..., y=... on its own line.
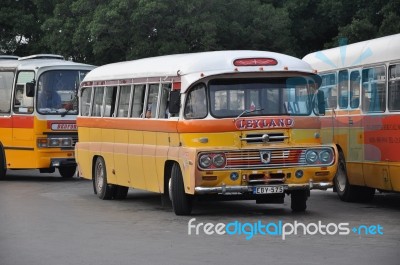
x=311, y=157
x=219, y=160
x=325, y=156
x=205, y=161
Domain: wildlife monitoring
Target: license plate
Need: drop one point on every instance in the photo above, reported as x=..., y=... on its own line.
x=268, y=189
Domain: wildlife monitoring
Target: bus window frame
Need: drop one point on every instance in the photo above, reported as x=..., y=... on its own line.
x=30, y=109
x=396, y=78
x=368, y=67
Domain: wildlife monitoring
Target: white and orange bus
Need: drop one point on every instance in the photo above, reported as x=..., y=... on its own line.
x=361, y=82
x=38, y=109
x=213, y=125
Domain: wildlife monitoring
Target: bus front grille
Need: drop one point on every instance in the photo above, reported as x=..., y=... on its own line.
x=265, y=158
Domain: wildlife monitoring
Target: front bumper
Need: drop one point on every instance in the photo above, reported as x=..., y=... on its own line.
x=62, y=162
x=249, y=188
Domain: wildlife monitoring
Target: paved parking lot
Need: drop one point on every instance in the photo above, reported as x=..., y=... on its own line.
x=47, y=220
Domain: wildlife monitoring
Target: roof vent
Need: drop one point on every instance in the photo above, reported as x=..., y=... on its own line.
x=8, y=57
x=42, y=56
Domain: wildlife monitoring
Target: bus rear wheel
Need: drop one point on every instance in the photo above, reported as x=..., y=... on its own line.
x=3, y=166
x=104, y=190
x=181, y=202
x=67, y=172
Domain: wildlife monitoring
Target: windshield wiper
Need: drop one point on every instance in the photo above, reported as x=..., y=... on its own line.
x=246, y=111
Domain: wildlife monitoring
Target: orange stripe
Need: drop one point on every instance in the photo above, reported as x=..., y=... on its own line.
x=22, y=122
x=5, y=122
x=184, y=126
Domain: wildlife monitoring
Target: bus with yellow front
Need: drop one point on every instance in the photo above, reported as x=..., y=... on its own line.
x=361, y=82
x=38, y=109
x=217, y=125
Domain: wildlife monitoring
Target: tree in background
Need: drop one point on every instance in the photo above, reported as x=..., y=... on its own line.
x=99, y=31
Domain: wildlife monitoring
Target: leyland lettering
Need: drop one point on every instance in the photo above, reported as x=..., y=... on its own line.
x=247, y=124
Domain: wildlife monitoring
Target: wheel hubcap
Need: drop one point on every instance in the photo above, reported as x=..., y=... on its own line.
x=341, y=178
x=99, y=178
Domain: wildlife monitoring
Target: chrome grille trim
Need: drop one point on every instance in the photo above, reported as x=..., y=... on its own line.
x=279, y=158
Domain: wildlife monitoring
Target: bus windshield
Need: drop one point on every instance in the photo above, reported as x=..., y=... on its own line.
x=57, y=90
x=261, y=97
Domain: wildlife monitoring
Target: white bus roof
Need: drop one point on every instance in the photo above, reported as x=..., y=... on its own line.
x=36, y=63
x=373, y=51
x=190, y=66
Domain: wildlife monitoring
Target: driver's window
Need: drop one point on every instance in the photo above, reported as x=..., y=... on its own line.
x=196, y=104
x=22, y=103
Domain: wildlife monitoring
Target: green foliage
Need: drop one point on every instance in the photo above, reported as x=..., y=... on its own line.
x=99, y=32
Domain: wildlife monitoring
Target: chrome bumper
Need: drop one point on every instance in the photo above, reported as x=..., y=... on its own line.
x=244, y=189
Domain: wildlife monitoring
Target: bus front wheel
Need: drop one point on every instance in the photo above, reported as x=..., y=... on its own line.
x=181, y=202
x=298, y=201
x=67, y=172
x=104, y=190
x=346, y=191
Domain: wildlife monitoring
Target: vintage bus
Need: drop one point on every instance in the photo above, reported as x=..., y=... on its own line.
x=38, y=109
x=212, y=125
x=361, y=82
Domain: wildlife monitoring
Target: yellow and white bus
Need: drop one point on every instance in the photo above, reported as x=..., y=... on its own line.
x=361, y=82
x=213, y=125
x=38, y=109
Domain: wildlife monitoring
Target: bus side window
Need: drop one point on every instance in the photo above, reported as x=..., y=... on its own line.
x=98, y=102
x=374, y=89
x=152, y=99
x=137, y=100
x=343, y=89
x=354, y=89
x=85, y=101
x=163, y=114
x=328, y=85
x=110, y=96
x=123, y=101
x=394, y=87
x=6, y=83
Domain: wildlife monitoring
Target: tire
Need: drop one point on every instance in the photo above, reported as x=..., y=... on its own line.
x=104, y=190
x=299, y=200
x=67, y=172
x=346, y=191
x=3, y=165
x=181, y=202
x=120, y=192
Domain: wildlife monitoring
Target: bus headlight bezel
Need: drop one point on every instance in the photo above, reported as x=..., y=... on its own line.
x=311, y=157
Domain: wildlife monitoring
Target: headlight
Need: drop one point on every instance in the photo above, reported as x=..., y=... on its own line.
x=54, y=142
x=325, y=156
x=66, y=142
x=219, y=160
x=311, y=157
x=205, y=161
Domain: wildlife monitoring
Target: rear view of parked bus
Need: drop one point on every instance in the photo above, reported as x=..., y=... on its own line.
x=218, y=125
x=361, y=82
x=38, y=109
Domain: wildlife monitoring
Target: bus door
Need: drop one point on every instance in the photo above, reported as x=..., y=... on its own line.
x=355, y=155
x=150, y=139
x=394, y=139
x=328, y=122
x=23, y=122
x=375, y=166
